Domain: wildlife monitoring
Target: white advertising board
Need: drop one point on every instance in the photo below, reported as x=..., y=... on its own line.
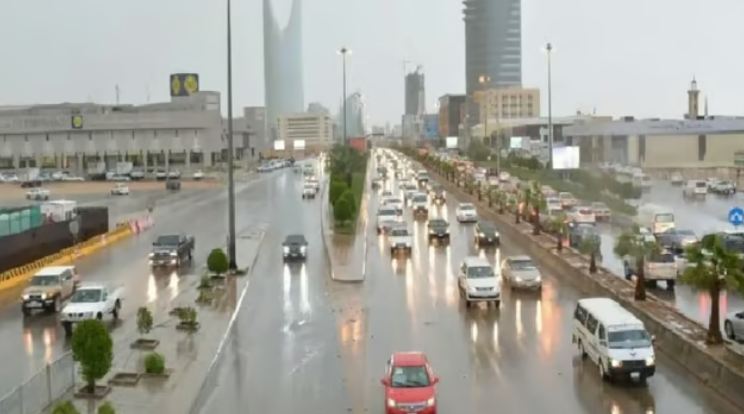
x=566, y=158
x=451, y=142
x=299, y=144
x=279, y=145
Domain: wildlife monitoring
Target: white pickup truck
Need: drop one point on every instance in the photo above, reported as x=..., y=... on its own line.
x=91, y=301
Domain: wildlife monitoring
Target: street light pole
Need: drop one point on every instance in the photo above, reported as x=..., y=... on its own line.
x=549, y=49
x=484, y=79
x=343, y=53
x=230, y=178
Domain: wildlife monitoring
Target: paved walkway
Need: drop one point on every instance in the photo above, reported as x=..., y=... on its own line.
x=188, y=356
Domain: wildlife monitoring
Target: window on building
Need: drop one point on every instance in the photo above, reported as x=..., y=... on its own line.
x=47, y=137
x=642, y=148
x=702, y=147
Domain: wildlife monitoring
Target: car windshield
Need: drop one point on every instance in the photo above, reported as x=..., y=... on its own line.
x=486, y=228
x=399, y=232
x=522, y=264
x=409, y=377
x=44, y=280
x=465, y=207
x=296, y=239
x=419, y=199
x=86, y=296
x=633, y=338
x=392, y=201
x=665, y=218
x=662, y=258
x=700, y=184
x=167, y=241
x=382, y=213
x=437, y=223
x=478, y=272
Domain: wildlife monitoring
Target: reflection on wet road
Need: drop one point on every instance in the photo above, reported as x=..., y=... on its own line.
x=305, y=344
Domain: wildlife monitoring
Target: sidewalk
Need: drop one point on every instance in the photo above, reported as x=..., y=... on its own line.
x=347, y=253
x=188, y=357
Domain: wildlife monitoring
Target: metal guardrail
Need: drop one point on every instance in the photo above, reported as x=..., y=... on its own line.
x=41, y=390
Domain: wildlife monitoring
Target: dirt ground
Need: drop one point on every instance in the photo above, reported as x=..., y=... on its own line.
x=14, y=191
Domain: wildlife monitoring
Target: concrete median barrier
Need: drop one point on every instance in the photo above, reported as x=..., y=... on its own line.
x=679, y=337
x=21, y=274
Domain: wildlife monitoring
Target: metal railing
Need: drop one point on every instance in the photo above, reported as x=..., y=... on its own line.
x=42, y=389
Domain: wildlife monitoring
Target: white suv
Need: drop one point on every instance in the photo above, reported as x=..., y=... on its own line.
x=466, y=213
x=478, y=282
x=400, y=239
x=387, y=218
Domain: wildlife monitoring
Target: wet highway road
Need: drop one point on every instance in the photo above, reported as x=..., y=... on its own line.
x=27, y=344
x=701, y=216
x=305, y=344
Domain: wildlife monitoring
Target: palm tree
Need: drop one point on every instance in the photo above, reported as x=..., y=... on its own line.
x=715, y=269
x=557, y=226
x=590, y=246
x=633, y=244
x=537, y=200
x=501, y=200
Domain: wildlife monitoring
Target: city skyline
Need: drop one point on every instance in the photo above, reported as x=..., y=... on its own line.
x=597, y=64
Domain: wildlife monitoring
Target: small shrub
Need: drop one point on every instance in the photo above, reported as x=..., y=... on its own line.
x=144, y=321
x=65, y=407
x=205, y=282
x=187, y=315
x=154, y=363
x=335, y=190
x=106, y=408
x=343, y=210
x=217, y=261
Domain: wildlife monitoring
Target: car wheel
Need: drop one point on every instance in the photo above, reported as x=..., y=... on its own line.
x=115, y=312
x=67, y=326
x=26, y=311
x=670, y=284
x=56, y=305
x=729, y=329
x=99, y=316
x=602, y=372
x=582, y=351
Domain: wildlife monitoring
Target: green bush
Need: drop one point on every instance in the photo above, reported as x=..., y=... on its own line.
x=335, y=190
x=144, y=321
x=154, y=363
x=106, y=408
x=65, y=407
x=217, y=261
x=343, y=210
x=187, y=315
x=93, y=349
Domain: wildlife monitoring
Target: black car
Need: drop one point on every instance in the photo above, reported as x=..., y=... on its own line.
x=676, y=240
x=30, y=183
x=294, y=247
x=438, y=229
x=486, y=234
x=578, y=232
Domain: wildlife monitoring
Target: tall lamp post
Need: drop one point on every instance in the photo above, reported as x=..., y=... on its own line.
x=233, y=265
x=343, y=52
x=485, y=80
x=549, y=50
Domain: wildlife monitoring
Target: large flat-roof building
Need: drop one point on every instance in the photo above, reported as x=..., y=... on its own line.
x=313, y=130
x=657, y=143
x=185, y=133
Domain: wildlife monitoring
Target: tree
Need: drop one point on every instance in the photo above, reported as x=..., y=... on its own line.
x=537, y=201
x=713, y=268
x=65, y=407
x=633, y=244
x=343, y=210
x=590, y=246
x=217, y=261
x=335, y=190
x=93, y=349
x=144, y=321
x=557, y=226
x=106, y=408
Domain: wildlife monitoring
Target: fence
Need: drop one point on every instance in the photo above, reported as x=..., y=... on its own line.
x=42, y=389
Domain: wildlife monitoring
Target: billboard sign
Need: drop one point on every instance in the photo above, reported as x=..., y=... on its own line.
x=518, y=142
x=451, y=142
x=279, y=145
x=566, y=158
x=184, y=84
x=299, y=144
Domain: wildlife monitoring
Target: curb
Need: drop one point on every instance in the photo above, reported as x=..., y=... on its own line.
x=711, y=369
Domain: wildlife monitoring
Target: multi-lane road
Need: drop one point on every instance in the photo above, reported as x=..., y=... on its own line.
x=29, y=343
x=702, y=217
x=302, y=343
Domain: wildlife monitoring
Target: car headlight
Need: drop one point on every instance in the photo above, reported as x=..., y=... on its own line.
x=615, y=363
x=24, y=297
x=517, y=279
x=286, y=249
x=174, y=254
x=650, y=361
x=480, y=234
x=391, y=403
x=151, y=255
x=303, y=249
x=538, y=279
x=430, y=402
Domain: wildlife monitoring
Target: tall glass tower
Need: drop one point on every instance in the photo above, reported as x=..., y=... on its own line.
x=493, y=43
x=282, y=64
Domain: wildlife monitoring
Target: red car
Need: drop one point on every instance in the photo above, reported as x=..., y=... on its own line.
x=409, y=384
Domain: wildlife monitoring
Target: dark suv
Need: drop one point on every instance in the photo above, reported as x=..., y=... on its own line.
x=486, y=234
x=438, y=229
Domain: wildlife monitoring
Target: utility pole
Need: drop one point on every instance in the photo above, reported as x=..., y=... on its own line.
x=343, y=53
x=233, y=265
x=549, y=49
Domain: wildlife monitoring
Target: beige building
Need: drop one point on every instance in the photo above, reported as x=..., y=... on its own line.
x=315, y=129
x=512, y=102
x=662, y=144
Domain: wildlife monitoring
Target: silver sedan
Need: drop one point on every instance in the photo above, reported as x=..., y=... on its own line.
x=521, y=272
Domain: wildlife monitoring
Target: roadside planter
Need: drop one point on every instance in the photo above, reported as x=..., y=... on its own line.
x=144, y=326
x=155, y=367
x=126, y=379
x=188, y=322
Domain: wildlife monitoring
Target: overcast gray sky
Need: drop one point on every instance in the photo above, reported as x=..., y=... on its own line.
x=634, y=57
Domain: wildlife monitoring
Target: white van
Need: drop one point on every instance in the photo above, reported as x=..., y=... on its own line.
x=614, y=339
x=656, y=218
x=695, y=188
